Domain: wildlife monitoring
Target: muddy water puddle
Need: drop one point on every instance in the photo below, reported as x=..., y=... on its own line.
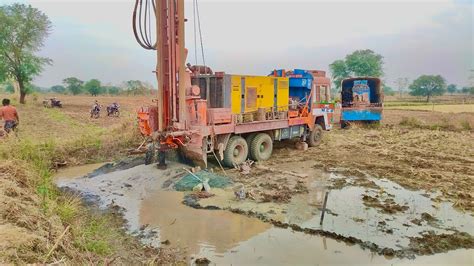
x=399, y=214
x=159, y=217
x=70, y=173
x=375, y=211
x=196, y=230
x=227, y=238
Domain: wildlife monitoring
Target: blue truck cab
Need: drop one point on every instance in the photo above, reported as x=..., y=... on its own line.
x=362, y=100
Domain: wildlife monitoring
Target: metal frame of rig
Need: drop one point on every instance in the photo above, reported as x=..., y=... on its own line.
x=234, y=117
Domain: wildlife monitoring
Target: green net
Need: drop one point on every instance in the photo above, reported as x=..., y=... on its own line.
x=188, y=182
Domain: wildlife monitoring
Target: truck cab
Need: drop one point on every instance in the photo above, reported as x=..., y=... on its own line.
x=305, y=82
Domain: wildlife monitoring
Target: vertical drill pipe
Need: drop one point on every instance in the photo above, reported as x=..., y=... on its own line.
x=173, y=56
x=181, y=62
x=168, y=62
x=160, y=48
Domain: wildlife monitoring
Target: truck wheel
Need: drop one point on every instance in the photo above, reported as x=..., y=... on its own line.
x=249, y=140
x=261, y=147
x=345, y=125
x=315, y=136
x=250, y=137
x=236, y=151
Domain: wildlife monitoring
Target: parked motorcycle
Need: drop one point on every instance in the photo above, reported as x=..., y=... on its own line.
x=95, y=111
x=52, y=103
x=113, y=110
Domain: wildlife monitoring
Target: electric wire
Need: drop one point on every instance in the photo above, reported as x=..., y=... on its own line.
x=200, y=35
x=195, y=34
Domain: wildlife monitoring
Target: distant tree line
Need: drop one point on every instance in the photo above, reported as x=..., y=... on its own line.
x=94, y=87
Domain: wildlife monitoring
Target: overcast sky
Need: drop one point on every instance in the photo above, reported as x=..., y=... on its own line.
x=94, y=39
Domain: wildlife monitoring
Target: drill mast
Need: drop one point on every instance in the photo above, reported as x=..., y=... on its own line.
x=170, y=68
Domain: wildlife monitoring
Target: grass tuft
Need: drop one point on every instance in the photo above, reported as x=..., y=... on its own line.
x=465, y=125
x=411, y=122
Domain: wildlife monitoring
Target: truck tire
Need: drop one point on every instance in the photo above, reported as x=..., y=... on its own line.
x=345, y=124
x=249, y=140
x=250, y=137
x=261, y=147
x=236, y=151
x=315, y=136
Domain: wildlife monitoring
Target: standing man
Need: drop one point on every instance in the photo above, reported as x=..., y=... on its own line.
x=9, y=114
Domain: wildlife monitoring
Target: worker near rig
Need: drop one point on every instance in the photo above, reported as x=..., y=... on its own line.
x=9, y=114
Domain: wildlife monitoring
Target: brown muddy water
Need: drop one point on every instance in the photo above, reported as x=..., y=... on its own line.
x=158, y=216
x=69, y=173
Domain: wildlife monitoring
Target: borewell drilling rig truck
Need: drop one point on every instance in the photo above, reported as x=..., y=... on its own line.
x=234, y=117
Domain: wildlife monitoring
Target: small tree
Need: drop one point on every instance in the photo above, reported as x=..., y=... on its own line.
x=402, y=84
x=93, y=87
x=388, y=91
x=23, y=30
x=361, y=63
x=339, y=72
x=428, y=86
x=468, y=90
x=58, y=89
x=113, y=90
x=452, y=88
x=74, y=85
x=137, y=87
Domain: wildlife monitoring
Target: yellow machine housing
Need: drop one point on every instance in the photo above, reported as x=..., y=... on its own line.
x=249, y=93
x=244, y=94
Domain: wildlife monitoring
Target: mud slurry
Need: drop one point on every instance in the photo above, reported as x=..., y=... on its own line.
x=404, y=223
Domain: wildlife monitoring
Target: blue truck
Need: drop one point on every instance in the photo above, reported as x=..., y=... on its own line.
x=362, y=101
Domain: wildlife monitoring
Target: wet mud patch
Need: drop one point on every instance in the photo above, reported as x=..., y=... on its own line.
x=123, y=164
x=386, y=206
x=376, y=214
x=156, y=214
x=430, y=243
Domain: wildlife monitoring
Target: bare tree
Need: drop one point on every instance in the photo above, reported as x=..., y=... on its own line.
x=402, y=84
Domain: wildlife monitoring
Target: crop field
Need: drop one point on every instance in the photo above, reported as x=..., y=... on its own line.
x=444, y=108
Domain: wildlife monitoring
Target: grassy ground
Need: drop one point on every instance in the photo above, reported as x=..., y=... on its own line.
x=408, y=100
x=444, y=108
x=40, y=224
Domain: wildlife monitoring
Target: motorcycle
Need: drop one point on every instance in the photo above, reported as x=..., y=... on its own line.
x=95, y=112
x=113, y=110
x=52, y=103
